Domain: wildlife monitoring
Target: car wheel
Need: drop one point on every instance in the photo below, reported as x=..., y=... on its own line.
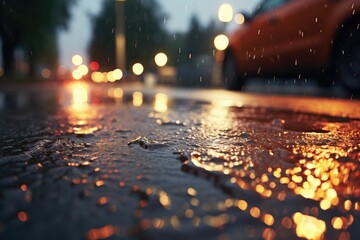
x=348, y=60
x=231, y=77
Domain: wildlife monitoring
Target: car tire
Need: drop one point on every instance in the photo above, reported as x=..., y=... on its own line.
x=230, y=76
x=347, y=59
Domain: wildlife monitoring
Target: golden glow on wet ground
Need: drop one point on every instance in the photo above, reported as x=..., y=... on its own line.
x=257, y=174
x=283, y=160
x=101, y=233
x=161, y=102
x=307, y=169
x=318, y=161
x=308, y=227
x=80, y=95
x=138, y=99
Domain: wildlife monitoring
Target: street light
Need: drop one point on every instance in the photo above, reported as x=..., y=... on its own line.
x=221, y=42
x=77, y=60
x=225, y=13
x=76, y=74
x=83, y=69
x=138, y=69
x=161, y=59
x=120, y=34
x=118, y=74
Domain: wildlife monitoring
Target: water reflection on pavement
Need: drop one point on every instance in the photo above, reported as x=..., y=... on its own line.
x=114, y=163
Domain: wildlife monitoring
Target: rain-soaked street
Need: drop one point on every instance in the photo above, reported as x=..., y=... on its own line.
x=135, y=163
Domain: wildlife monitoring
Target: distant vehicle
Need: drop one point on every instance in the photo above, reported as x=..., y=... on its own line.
x=292, y=38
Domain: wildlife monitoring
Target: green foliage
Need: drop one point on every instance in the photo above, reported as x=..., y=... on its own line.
x=144, y=28
x=32, y=25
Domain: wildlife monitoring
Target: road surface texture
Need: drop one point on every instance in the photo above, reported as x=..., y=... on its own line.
x=134, y=163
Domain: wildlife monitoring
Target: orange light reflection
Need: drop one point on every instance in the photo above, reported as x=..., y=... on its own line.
x=80, y=95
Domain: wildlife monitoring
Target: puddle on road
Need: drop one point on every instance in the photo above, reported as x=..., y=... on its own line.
x=306, y=167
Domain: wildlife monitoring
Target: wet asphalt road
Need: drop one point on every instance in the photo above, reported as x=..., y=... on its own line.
x=78, y=162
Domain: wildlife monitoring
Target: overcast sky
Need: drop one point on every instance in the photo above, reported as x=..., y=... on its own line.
x=76, y=39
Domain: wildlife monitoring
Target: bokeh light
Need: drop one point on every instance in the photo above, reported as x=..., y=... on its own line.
x=77, y=60
x=97, y=77
x=46, y=73
x=161, y=59
x=161, y=102
x=239, y=18
x=221, y=42
x=22, y=216
x=138, y=68
x=309, y=227
x=110, y=76
x=76, y=74
x=94, y=66
x=137, y=99
x=83, y=69
x=118, y=74
x=80, y=95
x=225, y=13
x=118, y=93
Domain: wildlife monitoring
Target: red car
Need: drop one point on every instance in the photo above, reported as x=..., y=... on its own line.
x=292, y=38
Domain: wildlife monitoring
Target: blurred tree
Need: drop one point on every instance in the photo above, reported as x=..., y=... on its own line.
x=144, y=30
x=31, y=25
x=198, y=40
x=175, y=46
x=194, y=38
x=195, y=42
x=195, y=53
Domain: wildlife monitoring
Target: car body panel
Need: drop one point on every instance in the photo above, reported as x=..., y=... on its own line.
x=297, y=36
